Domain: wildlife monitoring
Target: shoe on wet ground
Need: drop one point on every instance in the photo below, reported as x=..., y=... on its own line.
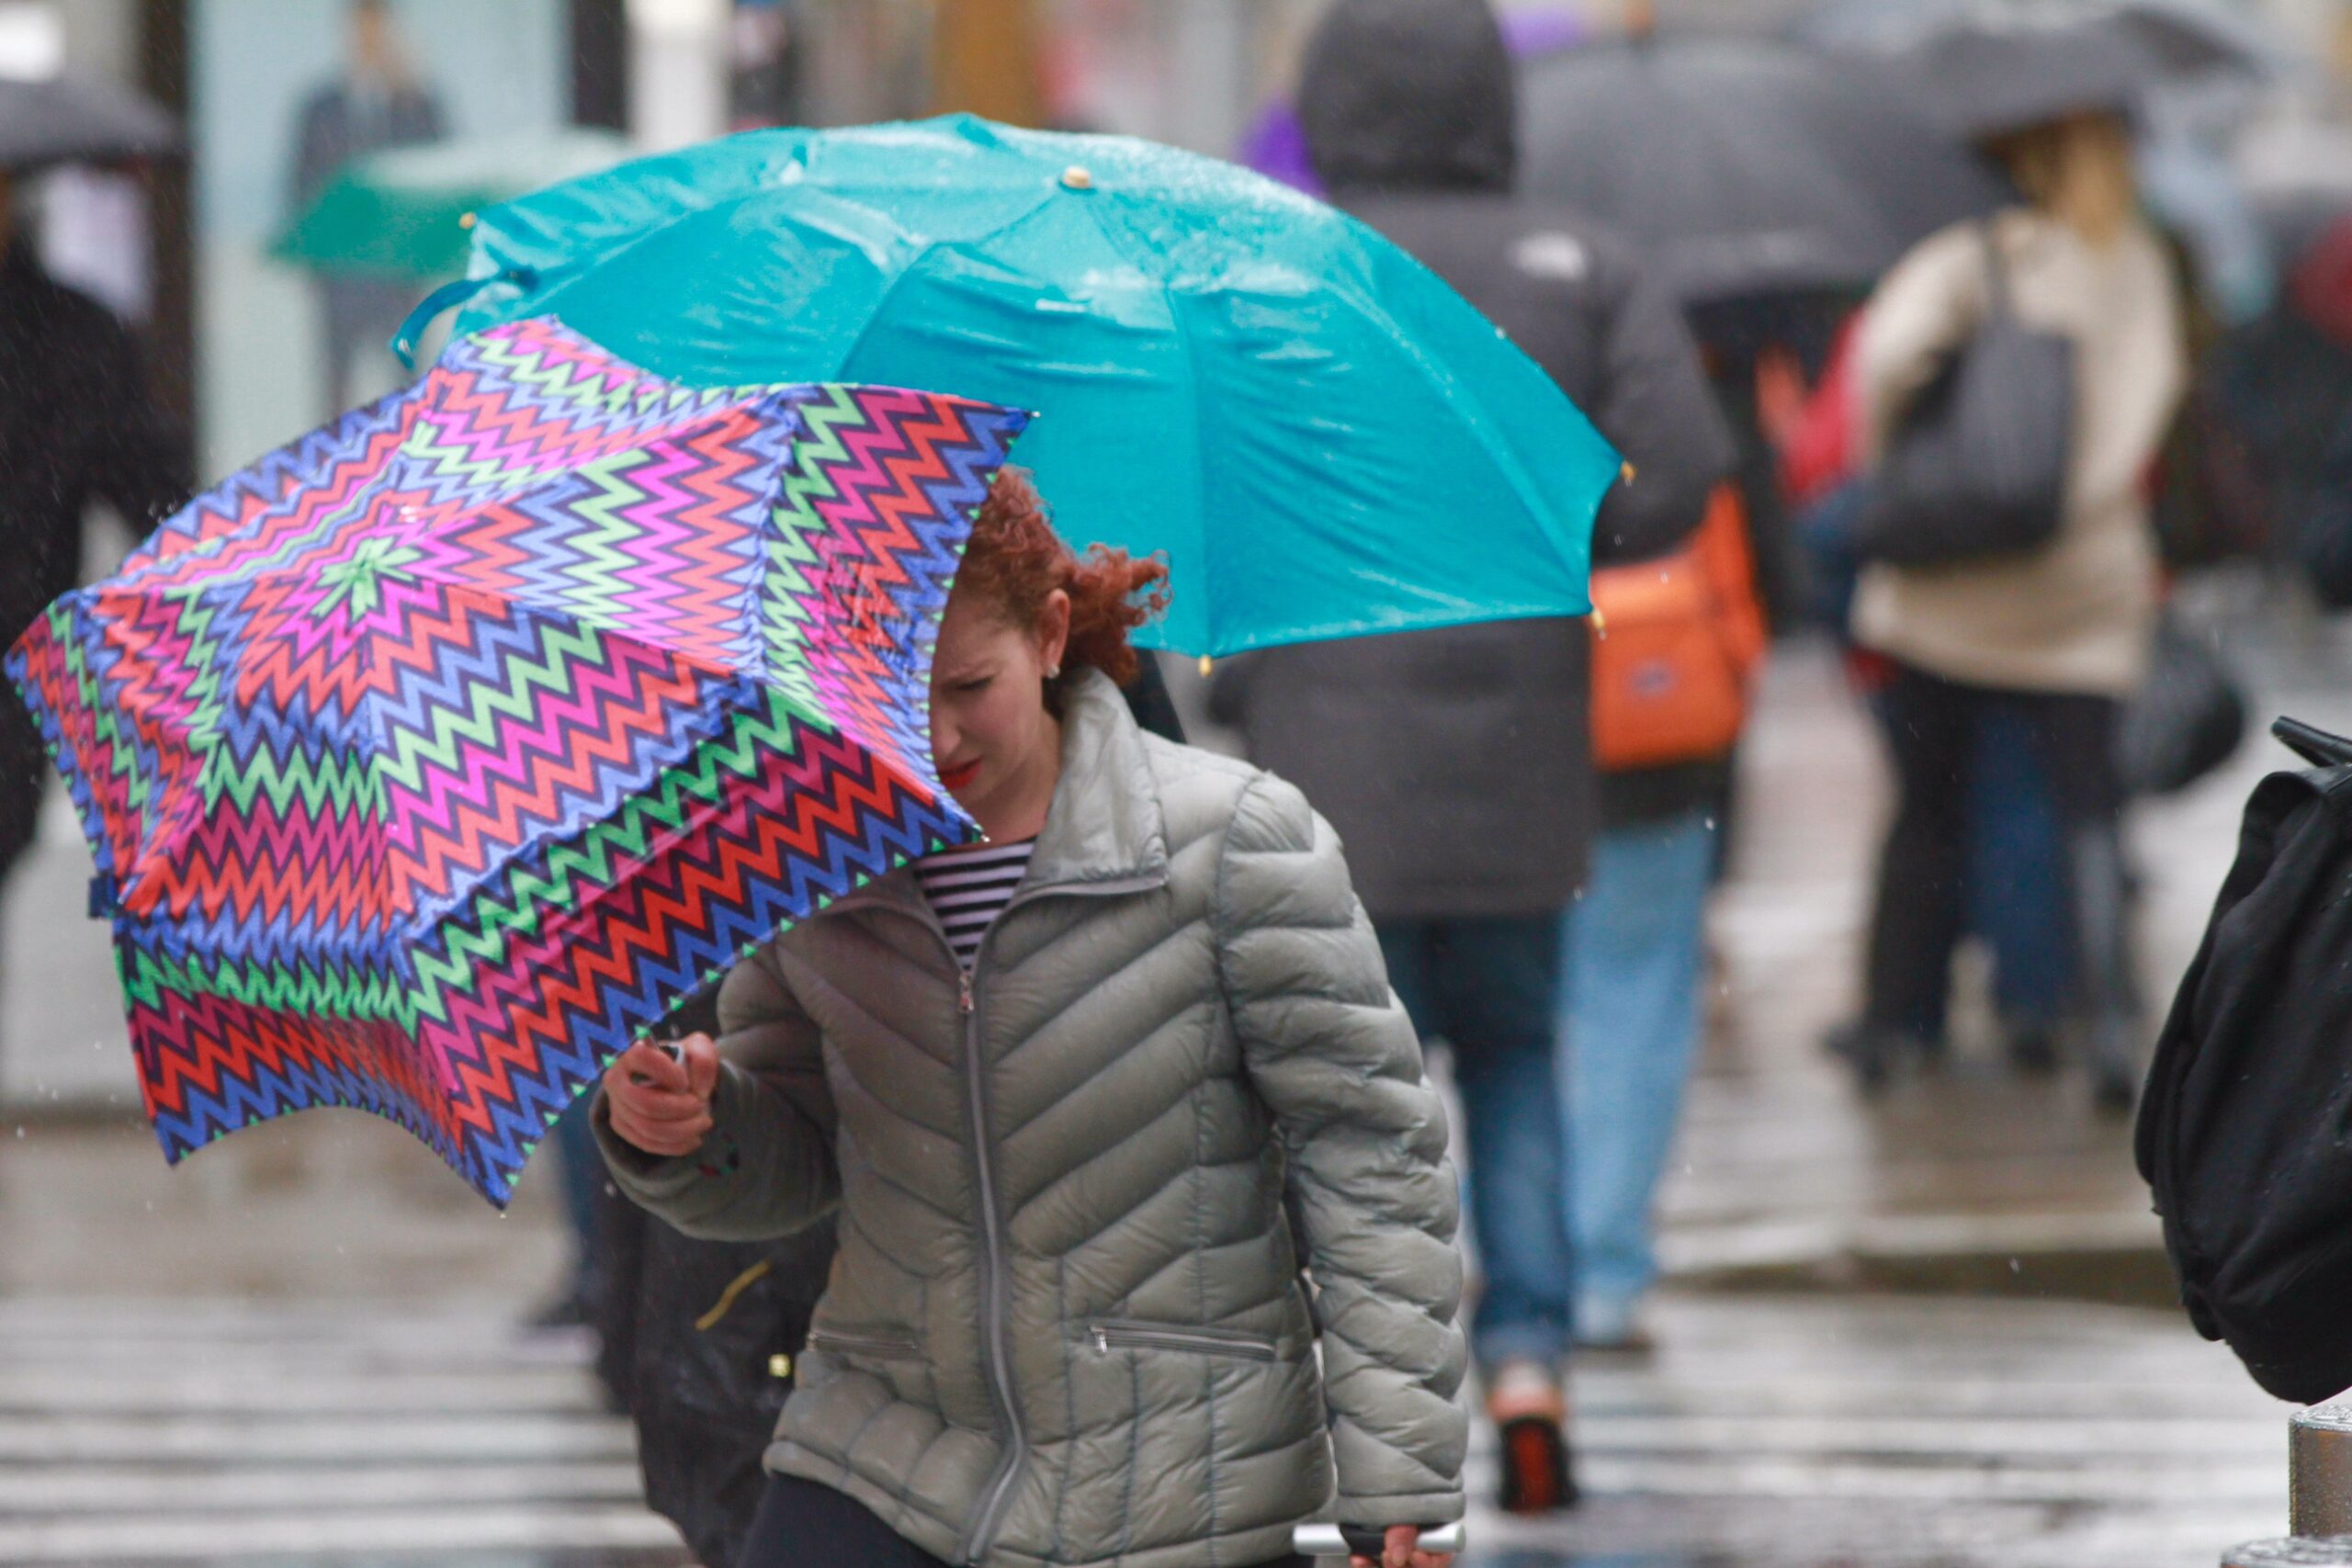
x=2115, y=1062
x=1872, y=1050
x=2033, y=1047
x=1530, y=1413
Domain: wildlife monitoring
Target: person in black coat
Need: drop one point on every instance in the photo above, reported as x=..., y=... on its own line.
x=76, y=427
x=1456, y=764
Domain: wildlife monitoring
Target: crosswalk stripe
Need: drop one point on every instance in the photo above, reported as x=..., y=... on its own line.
x=41, y=1491
x=1832, y=1480
x=260, y=1391
x=355, y=1436
x=566, y=1527
x=1896, y=1438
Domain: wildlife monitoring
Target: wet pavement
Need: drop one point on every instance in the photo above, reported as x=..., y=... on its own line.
x=298, y=1345
x=1971, y=1177
x=1769, y=1430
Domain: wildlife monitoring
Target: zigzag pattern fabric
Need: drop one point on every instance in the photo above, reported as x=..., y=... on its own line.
x=431, y=760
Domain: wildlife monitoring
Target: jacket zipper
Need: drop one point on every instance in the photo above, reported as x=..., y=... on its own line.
x=1016, y=1448
x=881, y=1347
x=1108, y=1335
x=993, y=1282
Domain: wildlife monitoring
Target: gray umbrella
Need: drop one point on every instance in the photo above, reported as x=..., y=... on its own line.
x=64, y=120
x=1989, y=66
x=1744, y=167
x=2188, y=36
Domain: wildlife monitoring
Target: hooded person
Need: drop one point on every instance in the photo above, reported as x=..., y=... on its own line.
x=77, y=425
x=1456, y=764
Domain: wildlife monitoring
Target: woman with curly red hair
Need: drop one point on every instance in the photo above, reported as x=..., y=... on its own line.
x=1085, y=1098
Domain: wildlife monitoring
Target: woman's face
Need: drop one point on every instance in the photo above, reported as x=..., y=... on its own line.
x=998, y=749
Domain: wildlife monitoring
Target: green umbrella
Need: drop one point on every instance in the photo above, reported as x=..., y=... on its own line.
x=403, y=212
x=1322, y=438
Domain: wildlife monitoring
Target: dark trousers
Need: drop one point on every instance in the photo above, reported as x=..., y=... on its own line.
x=800, y=1521
x=1490, y=987
x=1935, y=729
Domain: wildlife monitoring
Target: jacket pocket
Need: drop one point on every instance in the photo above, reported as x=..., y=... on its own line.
x=1107, y=1335
x=872, y=1344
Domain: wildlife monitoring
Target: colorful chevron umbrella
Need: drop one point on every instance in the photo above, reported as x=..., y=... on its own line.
x=429, y=760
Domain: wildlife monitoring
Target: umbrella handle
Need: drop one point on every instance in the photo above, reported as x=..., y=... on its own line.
x=448, y=297
x=668, y=1048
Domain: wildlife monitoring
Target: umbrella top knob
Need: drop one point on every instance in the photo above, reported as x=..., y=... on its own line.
x=1076, y=177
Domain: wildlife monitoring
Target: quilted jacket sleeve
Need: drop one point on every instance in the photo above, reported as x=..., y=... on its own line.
x=1331, y=1053
x=766, y=1169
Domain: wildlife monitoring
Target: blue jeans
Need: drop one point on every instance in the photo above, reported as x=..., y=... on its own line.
x=1490, y=987
x=1630, y=1020
x=2017, y=849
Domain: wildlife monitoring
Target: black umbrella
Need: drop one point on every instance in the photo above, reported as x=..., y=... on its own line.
x=1745, y=166
x=2188, y=38
x=1989, y=66
x=61, y=120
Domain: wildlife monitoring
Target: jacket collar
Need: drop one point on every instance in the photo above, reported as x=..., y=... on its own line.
x=1105, y=824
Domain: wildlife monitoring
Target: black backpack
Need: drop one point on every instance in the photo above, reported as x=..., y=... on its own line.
x=2245, y=1131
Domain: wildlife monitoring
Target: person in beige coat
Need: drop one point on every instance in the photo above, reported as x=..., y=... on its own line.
x=1085, y=1100
x=2047, y=641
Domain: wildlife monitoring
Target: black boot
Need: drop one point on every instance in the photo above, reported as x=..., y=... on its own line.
x=2111, y=1012
x=2032, y=1046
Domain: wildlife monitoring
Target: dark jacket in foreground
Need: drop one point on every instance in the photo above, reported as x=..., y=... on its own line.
x=76, y=427
x=1456, y=764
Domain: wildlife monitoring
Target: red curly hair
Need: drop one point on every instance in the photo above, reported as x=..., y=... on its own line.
x=1015, y=561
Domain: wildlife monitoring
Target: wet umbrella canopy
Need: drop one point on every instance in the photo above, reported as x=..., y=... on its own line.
x=2185, y=38
x=431, y=760
x=1322, y=438
x=1741, y=165
x=1990, y=67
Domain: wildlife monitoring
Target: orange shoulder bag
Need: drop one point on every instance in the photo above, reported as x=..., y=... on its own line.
x=1675, y=641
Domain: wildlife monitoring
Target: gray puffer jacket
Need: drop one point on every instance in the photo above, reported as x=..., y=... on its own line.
x=1066, y=1324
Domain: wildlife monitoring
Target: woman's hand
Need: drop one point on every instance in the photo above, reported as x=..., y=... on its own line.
x=660, y=1106
x=1403, y=1551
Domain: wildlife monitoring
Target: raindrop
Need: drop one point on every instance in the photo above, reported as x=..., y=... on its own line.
x=2017, y=1266
x=1708, y=821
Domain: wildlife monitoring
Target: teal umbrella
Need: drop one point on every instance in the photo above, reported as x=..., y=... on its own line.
x=402, y=213
x=1321, y=437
